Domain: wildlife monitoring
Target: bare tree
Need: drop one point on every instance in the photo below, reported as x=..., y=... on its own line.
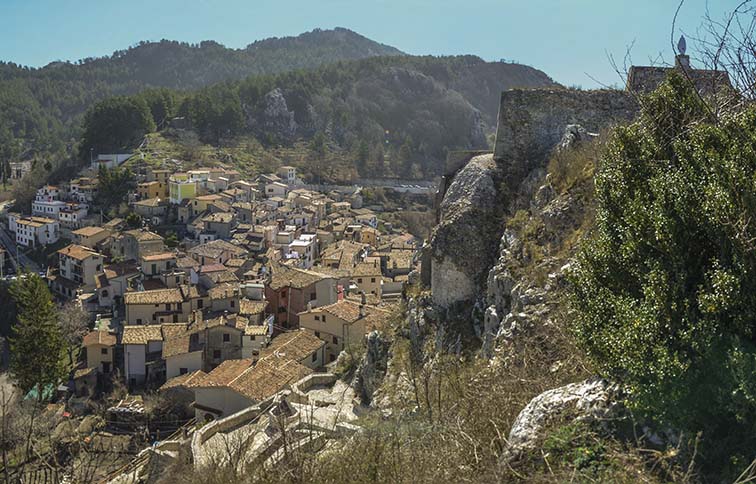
x=74, y=324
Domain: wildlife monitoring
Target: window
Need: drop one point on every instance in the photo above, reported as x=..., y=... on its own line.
x=138, y=321
x=372, y=279
x=317, y=334
x=168, y=307
x=324, y=318
x=312, y=296
x=183, y=371
x=226, y=337
x=283, y=293
x=105, y=293
x=359, y=281
x=232, y=303
x=252, y=337
x=335, y=340
x=317, y=318
x=154, y=268
x=200, y=303
x=314, y=357
x=216, y=354
x=104, y=351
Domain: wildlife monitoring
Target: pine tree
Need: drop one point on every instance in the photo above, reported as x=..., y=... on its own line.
x=36, y=342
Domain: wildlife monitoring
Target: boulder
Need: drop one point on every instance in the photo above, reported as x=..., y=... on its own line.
x=592, y=400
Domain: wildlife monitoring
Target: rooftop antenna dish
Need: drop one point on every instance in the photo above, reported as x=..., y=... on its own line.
x=681, y=45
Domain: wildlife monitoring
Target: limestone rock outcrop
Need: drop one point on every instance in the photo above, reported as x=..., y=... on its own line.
x=463, y=244
x=275, y=116
x=372, y=369
x=592, y=400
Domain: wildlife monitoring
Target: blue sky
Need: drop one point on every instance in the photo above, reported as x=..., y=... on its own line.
x=568, y=39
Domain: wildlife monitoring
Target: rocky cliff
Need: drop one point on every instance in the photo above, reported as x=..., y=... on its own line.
x=490, y=189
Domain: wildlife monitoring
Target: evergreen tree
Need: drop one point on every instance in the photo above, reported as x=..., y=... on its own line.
x=36, y=344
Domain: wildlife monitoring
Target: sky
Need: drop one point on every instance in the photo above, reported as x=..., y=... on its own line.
x=570, y=40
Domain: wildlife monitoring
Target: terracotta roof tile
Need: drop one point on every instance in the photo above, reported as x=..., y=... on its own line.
x=159, y=296
x=141, y=335
x=78, y=252
x=296, y=345
x=99, y=338
x=184, y=380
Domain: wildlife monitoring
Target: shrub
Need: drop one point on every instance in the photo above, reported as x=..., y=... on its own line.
x=664, y=290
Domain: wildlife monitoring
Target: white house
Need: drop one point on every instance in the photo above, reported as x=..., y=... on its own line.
x=275, y=189
x=51, y=209
x=72, y=214
x=288, y=174
x=182, y=355
x=304, y=249
x=110, y=161
x=141, y=345
x=34, y=231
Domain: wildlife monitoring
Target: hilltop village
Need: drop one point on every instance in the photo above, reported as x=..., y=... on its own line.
x=261, y=282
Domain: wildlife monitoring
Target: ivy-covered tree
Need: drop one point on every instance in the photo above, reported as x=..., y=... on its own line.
x=664, y=291
x=36, y=344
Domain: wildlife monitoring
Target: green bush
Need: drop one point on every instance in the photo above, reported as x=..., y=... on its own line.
x=664, y=290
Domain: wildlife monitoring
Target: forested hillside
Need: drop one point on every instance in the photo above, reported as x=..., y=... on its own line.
x=385, y=116
x=41, y=109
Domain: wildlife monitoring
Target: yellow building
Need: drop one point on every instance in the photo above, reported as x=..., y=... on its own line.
x=181, y=190
x=153, y=189
x=199, y=204
x=368, y=278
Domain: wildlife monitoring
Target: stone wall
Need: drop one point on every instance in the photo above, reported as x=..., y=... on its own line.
x=532, y=122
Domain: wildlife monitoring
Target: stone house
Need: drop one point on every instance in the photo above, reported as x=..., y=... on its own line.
x=99, y=346
x=219, y=223
x=238, y=384
x=215, y=252
x=342, y=324
x=130, y=245
x=90, y=236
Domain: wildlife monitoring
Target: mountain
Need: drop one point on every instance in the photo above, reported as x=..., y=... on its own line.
x=40, y=108
x=395, y=116
x=377, y=111
x=180, y=65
